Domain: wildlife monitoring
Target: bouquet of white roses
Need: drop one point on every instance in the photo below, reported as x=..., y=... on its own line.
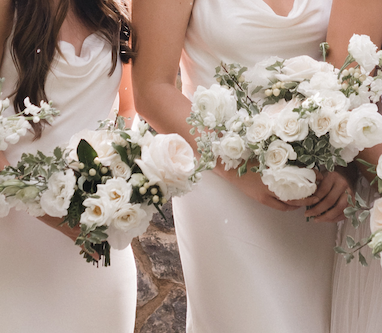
x=14, y=126
x=291, y=116
x=109, y=182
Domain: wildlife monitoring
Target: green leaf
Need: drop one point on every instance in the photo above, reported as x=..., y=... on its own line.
x=349, y=257
x=86, y=153
x=363, y=216
x=362, y=259
x=340, y=250
x=122, y=153
x=350, y=242
x=360, y=201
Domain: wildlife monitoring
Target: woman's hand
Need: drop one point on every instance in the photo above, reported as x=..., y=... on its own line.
x=330, y=199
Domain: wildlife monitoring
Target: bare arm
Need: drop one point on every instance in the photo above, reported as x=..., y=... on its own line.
x=126, y=99
x=160, y=28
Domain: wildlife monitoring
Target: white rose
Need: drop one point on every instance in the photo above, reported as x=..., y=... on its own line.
x=119, y=168
x=169, y=162
x=364, y=51
x=55, y=200
x=379, y=167
x=117, y=190
x=365, y=126
x=261, y=129
x=376, y=216
x=216, y=104
x=232, y=146
x=338, y=134
x=4, y=206
x=302, y=68
x=273, y=110
x=98, y=211
x=278, y=154
x=290, y=182
x=128, y=222
x=289, y=126
x=101, y=141
x=320, y=122
x=334, y=101
x=321, y=81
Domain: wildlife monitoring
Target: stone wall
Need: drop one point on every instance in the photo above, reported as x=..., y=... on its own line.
x=161, y=306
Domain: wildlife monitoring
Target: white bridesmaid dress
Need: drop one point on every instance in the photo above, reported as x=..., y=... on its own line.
x=45, y=285
x=249, y=268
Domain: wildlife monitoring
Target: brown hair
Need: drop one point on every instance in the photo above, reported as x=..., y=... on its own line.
x=35, y=40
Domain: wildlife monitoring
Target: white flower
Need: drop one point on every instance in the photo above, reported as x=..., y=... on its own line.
x=119, y=168
x=376, y=216
x=168, y=162
x=4, y=206
x=379, y=167
x=364, y=51
x=101, y=141
x=55, y=200
x=98, y=211
x=338, y=134
x=261, y=129
x=273, y=110
x=320, y=122
x=232, y=146
x=137, y=179
x=365, y=126
x=278, y=154
x=216, y=104
x=127, y=222
x=290, y=182
x=376, y=89
x=334, y=101
x=259, y=75
x=117, y=190
x=320, y=81
x=34, y=209
x=349, y=152
x=289, y=126
x=30, y=108
x=302, y=68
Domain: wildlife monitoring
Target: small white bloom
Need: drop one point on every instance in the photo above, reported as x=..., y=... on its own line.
x=119, y=168
x=232, y=146
x=290, y=182
x=30, y=108
x=117, y=190
x=137, y=179
x=55, y=200
x=278, y=154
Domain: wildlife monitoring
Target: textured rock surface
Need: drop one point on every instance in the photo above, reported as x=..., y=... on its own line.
x=147, y=290
x=170, y=317
x=162, y=249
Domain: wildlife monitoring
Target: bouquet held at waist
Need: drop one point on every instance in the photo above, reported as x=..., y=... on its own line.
x=289, y=117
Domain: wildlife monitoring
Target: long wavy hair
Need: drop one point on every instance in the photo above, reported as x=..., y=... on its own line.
x=35, y=40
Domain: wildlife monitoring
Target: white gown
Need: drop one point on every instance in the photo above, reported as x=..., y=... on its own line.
x=45, y=285
x=357, y=290
x=249, y=268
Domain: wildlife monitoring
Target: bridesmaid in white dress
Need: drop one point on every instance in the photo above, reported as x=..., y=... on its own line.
x=357, y=290
x=251, y=262
x=45, y=285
